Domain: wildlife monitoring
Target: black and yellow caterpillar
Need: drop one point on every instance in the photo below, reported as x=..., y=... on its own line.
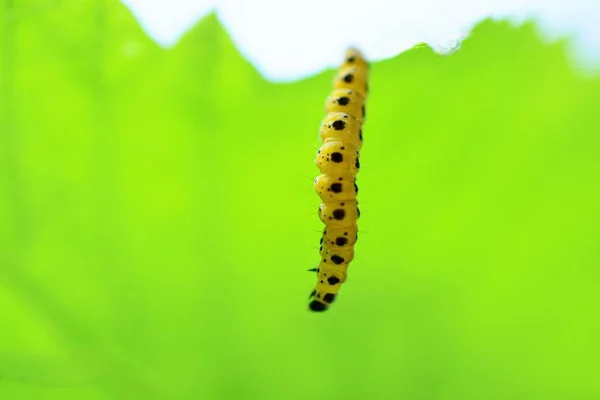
x=338, y=161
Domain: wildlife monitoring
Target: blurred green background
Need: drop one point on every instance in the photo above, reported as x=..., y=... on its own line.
x=157, y=219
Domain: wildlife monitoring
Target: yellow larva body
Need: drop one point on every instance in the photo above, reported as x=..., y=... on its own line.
x=336, y=187
x=347, y=101
x=338, y=161
x=340, y=126
x=353, y=78
x=339, y=214
x=337, y=158
x=353, y=57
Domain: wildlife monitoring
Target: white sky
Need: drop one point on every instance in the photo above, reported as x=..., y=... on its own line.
x=288, y=40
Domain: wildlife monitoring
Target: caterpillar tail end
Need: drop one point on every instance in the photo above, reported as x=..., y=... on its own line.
x=355, y=56
x=353, y=51
x=317, y=306
x=318, y=303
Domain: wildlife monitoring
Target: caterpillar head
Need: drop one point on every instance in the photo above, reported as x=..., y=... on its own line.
x=347, y=101
x=336, y=188
x=337, y=158
x=353, y=78
x=339, y=214
x=343, y=127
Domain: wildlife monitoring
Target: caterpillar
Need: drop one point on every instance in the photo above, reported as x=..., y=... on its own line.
x=338, y=162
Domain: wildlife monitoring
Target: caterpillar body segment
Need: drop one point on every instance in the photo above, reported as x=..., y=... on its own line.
x=341, y=127
x=337, y=255
x=338, y=160
x=339, y=214
x=353, y=78
x=347, y=101
x=336, y=187
x=340, y=237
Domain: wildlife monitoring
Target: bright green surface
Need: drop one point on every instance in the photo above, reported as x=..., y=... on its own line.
x=157, y=218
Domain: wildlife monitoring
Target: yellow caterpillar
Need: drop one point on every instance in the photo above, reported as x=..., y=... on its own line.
x=338, y=161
